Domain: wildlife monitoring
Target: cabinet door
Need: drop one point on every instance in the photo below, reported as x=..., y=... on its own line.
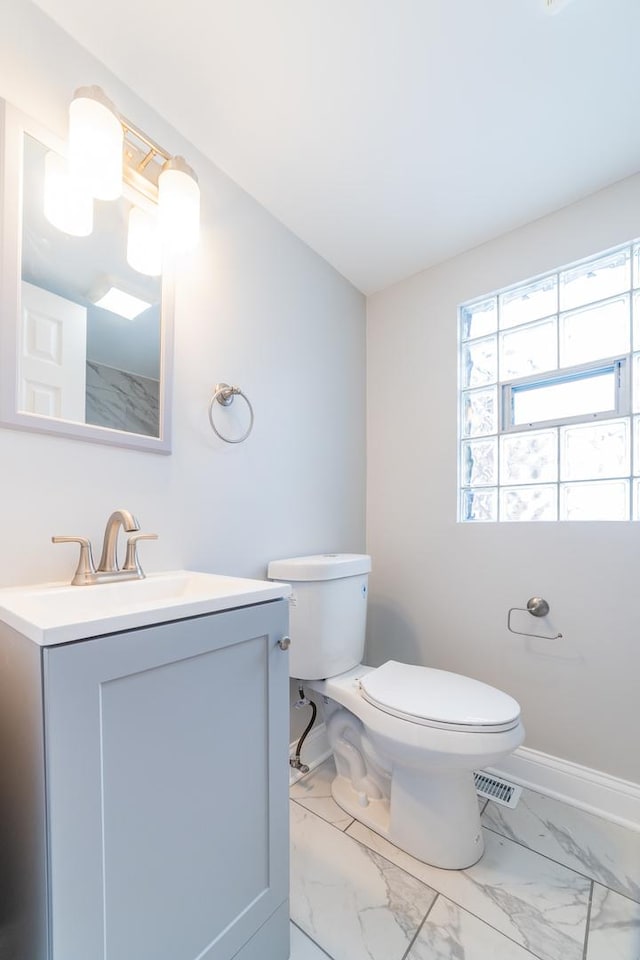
x=166, y=764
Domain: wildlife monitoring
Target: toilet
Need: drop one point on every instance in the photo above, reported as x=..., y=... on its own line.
x=406, y=739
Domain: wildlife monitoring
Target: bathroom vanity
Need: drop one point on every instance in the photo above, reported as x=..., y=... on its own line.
x=143, y=748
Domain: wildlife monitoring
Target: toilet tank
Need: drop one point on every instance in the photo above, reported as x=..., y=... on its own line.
x=327, y=612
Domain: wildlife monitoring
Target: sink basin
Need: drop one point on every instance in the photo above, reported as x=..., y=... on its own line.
x=53, y=613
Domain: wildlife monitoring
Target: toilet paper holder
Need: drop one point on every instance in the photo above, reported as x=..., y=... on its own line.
x=537, y=607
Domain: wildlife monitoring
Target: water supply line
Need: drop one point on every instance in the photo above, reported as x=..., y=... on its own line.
x=303, y=701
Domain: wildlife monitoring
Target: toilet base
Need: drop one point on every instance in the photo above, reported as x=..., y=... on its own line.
x=433, y=815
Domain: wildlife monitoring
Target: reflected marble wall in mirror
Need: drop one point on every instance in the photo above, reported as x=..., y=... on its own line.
x=83, y=361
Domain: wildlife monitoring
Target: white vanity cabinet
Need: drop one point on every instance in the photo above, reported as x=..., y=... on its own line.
x=148, y=813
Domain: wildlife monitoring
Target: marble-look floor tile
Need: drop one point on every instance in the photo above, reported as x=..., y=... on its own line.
x=450, y=933
x=604, y=851
x=314, y=792
x=302, y=948
x=614, y=927
x=355, y=904
x=539, y=904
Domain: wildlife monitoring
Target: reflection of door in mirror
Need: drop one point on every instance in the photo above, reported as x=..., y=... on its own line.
x=53, y=357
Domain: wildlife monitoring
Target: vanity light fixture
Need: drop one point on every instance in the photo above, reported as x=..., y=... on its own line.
x=171, y=184
x=105, y=149
x=179, y=207
x=96, y=141
x=124, y=304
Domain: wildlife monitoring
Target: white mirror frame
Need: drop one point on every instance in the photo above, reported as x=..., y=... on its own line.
x=13, y=127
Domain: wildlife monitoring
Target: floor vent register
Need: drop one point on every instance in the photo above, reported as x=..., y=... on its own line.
x=493, y=788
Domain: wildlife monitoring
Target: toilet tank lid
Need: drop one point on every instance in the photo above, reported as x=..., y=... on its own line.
x=321, y=566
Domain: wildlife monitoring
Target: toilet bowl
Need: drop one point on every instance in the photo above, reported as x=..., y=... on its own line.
x=410, y=777
x=406, y=739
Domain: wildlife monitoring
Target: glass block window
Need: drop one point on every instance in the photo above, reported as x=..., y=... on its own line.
x=550, y=396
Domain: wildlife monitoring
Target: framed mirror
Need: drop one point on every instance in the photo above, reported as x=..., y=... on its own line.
x=85, y=340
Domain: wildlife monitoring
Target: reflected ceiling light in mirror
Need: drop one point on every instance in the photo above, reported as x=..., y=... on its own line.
x=179, y=207
x=96, y=142
x=122, y=303
x=66, y=206
x=144, y=245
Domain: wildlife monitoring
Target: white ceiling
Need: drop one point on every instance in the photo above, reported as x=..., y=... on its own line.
x=387, y=134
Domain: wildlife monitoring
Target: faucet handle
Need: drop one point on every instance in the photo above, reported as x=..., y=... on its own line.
x=85, y=571
x=131, y=560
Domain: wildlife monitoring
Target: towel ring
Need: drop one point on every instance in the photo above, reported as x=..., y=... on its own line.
x=225, y=394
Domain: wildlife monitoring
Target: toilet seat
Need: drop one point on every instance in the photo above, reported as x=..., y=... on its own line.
x=437, y=698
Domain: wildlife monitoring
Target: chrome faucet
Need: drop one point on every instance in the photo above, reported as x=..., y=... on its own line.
x=108, y=569
x=119, y=518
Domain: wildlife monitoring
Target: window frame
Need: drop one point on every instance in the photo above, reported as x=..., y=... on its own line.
x=618, y=365
x=482, y=318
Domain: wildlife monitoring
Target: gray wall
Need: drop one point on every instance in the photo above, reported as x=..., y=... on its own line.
x=254, y=307
x=441, y=590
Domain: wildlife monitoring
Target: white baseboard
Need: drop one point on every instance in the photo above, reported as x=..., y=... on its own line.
x=315, y=750
x=598, y=793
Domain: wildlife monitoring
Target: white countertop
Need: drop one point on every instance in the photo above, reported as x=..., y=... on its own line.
x=53, y=613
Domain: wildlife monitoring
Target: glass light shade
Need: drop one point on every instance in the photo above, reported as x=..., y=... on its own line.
x=144, y=245
x=179, y=207
x=66, y=206
x=96, y=141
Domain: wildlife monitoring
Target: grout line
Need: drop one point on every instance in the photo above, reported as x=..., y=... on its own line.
x=304, y=933
x=420, y=926
x=587, y=925
x=546, y=856
x=486, y=923
x=302, y=801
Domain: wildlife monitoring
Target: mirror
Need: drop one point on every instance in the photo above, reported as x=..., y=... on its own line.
x=75, y=362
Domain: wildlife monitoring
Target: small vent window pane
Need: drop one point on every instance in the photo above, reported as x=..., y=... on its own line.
x=564, y=397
